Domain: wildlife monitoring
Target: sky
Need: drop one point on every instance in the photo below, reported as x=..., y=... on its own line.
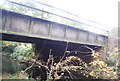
x=103, y=12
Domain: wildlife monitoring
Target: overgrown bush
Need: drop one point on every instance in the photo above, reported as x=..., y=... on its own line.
x=13, y=54
x=113, y=60
x=71, y=67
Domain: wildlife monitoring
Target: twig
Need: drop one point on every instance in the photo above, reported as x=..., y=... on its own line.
x=89, y=48
x=78, y=52
x=71, y=75
x=29, y=67
x=52, y=59
x=64, y=52
x=42, y=47
x=33, y=60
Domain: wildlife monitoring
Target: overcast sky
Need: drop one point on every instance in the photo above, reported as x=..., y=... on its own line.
x=104, y=12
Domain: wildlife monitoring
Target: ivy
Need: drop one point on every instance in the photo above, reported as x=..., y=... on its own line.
x=17, y=51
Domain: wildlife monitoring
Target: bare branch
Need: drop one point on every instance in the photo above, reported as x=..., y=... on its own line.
x=64, y=52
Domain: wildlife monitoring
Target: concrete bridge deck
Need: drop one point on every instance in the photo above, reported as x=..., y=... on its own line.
x=26, y=26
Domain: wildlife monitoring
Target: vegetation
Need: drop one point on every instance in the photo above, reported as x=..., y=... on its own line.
x=113, y=57
x=70, y=68
x=17, y=50
x=113, y=60
x=12, y=56
x=25, y=10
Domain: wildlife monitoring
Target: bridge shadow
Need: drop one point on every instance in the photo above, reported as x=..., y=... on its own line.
x=58, y=48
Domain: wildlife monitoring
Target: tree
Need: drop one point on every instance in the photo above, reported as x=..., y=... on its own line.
x=114, y=32
x=24, y=10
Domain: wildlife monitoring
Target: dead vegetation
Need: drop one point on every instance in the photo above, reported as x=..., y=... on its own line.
x=71, y=67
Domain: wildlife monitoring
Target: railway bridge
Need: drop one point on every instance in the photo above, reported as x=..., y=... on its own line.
x=48, y=34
